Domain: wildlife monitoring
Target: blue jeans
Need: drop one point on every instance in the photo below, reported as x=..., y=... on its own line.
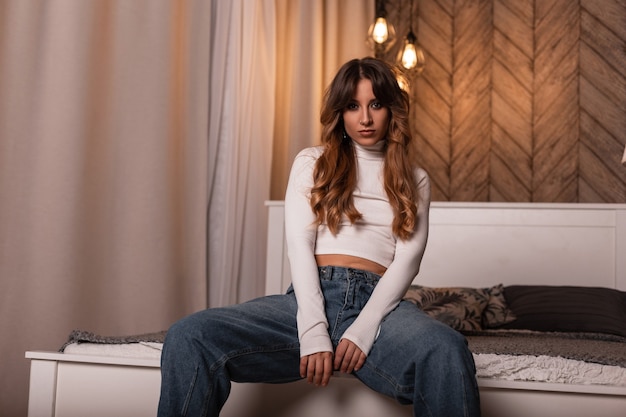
x=415, y=359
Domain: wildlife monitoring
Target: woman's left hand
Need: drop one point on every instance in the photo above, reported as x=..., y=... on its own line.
x=348, y=357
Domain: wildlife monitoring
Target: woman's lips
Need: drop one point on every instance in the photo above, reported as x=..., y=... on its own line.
x=367, y=132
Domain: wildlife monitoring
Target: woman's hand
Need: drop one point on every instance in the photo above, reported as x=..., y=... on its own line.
x=348, y=357
x=317, y=368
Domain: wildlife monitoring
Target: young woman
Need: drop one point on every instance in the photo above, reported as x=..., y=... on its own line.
x=356, y=222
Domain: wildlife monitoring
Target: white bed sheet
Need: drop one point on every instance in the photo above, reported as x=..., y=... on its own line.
x=547, y=369
x=505, y=367
x=143, y=350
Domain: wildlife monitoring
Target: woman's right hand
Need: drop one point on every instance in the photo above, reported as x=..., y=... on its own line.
x=317, y=368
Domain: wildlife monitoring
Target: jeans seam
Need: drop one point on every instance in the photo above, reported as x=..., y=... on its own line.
x=220, y=363
x=336, y=325
x=398, y=388
x=243, y=352
x=465, y=409
x=403, y=389
x=339, y=317
x=190, y=392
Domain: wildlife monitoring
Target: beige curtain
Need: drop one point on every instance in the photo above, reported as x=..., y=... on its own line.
x=314, y=39
x=136, y=144
x=240, y=136
x=103, y=119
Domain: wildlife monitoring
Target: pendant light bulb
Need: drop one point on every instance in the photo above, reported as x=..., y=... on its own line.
x=409, y=56
x=380, y=33
x=412, y=55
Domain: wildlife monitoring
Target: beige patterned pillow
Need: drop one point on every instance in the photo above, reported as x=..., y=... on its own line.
x=497, y=312
x=458, y=307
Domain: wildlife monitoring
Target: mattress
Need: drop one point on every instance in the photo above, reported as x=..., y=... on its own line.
x=502, y=366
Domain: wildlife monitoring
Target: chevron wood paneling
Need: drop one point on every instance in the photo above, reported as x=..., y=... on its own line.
x=521, y=100
x=432, y=106
x=602, y=101
x=512, y=101
x=555, y=117
x=471, y=101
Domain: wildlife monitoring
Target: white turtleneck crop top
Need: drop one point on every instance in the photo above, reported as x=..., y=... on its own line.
x=370, y=237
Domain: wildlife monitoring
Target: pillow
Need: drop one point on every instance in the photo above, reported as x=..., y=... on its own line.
x=497, y=311
x=567, y=309
x=459, y=308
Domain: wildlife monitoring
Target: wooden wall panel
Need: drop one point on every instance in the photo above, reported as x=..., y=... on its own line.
x=602, y=101
x=555, y=115
x=521, y=100
x=432, y=93
x=512, y=101
x=471, y=101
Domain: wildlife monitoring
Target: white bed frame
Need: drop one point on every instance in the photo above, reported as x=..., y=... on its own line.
x=470, y=244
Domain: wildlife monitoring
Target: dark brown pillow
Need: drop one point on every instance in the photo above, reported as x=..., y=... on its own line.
x=567, y=309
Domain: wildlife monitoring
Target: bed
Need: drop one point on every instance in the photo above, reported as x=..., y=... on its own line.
x=507, y=252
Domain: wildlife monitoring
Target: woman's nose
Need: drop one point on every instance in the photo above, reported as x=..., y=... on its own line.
x=365, y=119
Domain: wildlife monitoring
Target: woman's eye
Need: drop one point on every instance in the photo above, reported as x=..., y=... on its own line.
x=352, y=106
x=376, y=105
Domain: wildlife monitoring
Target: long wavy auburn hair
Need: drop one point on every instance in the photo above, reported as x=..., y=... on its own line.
x=335, y=173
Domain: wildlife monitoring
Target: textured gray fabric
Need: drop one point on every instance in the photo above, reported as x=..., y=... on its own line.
x=81, y=336
x=589, y=347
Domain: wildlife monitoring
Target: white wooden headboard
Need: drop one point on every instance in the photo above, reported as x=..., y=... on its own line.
x=483, y=244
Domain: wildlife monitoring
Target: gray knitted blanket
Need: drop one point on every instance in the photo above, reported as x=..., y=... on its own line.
x=590, y=347
x=81, y=336
x=599, y=348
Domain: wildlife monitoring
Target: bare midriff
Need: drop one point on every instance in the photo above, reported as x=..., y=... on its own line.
x=349, y=261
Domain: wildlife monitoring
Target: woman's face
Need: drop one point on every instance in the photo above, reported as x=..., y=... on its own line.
x=365, y=118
